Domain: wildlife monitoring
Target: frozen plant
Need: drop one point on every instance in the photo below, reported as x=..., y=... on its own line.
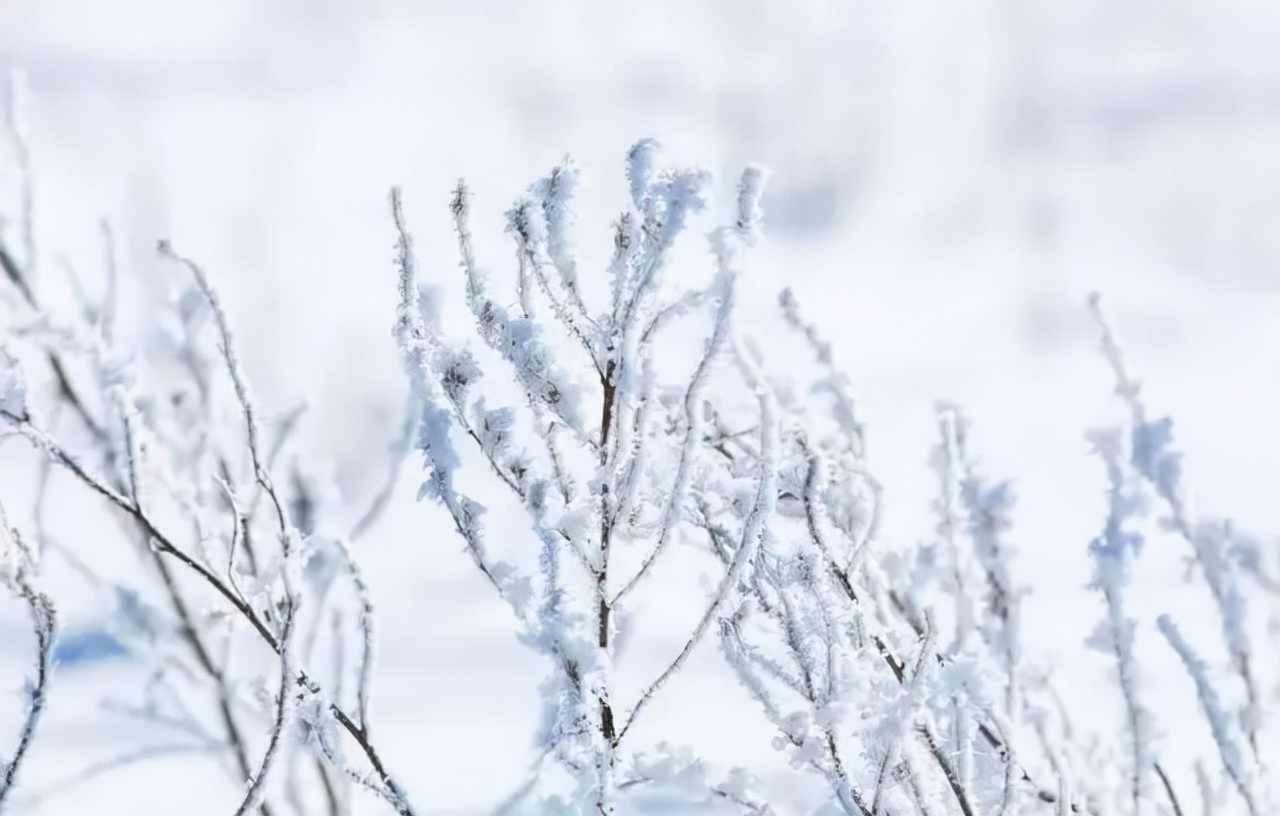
x=246, y=615
x=897, y=677
x=900, y=676
x=574, y=447
x=603, y=446
x=1144, y=471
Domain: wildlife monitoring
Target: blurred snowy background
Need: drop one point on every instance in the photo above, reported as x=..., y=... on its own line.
x=949, y=183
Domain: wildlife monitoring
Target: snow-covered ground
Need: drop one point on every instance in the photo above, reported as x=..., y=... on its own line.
x=949, y=184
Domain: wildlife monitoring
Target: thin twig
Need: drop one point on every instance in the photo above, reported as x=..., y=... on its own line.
x=260, y=474
x=44, y=621
x=258, y=779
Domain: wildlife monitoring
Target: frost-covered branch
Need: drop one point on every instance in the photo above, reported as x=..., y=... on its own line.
x=1114, y=552
x=163, y=452
x=1140, y=463
x=1222, y=555
x=1232, y=760
x=593, y=439
x=602, y=503
x=831, y=616
x=16, y=566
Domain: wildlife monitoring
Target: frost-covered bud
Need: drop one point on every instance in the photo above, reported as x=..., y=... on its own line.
x=1152, y=458
x=684, y=193
x=313, y=723
x=640, y=169
x=556, y=192
x=527, y=221
x=750, y=188
x=798, y=724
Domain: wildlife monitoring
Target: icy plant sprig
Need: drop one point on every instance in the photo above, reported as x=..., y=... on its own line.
x=1221, y=554
x=983, y=512
x=616, y=446
x=1114, y=552
x=16, y=572
x=985, y=605
x=666, y=771
x=1221, y=726
x=262, y=590
x=166, y=434
x=1141, y=463
x=825, y=622
x=76, y=353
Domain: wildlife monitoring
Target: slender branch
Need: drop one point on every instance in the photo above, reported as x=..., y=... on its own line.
x=693, y=437
x=1168, y=790
x=752, y=532
x=257, y=780
x=260, y=474
x=163, y=544
x=44, y=623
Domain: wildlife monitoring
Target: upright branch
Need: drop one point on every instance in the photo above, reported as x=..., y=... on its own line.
x=1222, y=555
x=1114, y=552
x=1142, y=461
x=597, y=494
x=260, y=473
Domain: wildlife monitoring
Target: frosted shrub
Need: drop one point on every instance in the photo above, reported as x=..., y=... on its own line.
x=244, y=593
x=604, y=449
x=582, y=456
x=1144, y=476
x=895, y=677
x=899, y=678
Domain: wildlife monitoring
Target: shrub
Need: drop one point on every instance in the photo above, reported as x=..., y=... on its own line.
x=898, y=679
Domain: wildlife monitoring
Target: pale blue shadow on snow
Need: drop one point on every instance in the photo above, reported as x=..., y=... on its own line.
x=87, y=647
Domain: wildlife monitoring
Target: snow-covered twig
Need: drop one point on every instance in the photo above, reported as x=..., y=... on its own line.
x=15, y=573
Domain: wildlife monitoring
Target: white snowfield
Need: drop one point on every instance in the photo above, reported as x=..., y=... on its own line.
x=948, y=185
